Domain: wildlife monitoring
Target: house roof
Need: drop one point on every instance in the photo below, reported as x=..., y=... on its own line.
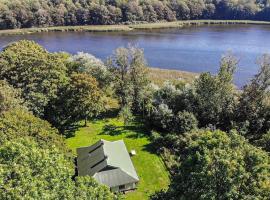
x=108, y=162
x=114, y=177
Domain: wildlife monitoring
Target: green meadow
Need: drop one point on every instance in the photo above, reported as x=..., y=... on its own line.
x=149, y=166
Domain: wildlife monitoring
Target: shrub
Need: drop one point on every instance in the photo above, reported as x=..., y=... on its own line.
x=184, y=122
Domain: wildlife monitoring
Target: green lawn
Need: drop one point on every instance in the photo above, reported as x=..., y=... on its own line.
x=150, y=168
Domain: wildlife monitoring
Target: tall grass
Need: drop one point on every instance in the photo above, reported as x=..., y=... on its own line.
x=159, y=76
x=110, y=28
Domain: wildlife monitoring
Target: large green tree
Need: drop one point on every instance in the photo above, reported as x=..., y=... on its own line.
x=79, y=100
x=215, y=96
x=131, y=77
x=39, y=74
x=19, y=123
x=253, y=113
x=30, y=172
x=216, y=165
x=85, y=97
x=89, y=64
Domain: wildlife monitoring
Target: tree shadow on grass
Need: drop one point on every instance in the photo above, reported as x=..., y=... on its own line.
x=71, y=130
x=133, y=131
x=111, y=130
x=150, y=148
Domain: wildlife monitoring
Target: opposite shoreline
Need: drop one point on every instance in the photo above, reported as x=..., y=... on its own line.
x=117, y=28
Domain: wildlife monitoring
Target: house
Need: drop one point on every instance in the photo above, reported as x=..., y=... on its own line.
x=109, y=163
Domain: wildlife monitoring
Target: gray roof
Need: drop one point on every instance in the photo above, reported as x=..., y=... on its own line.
x=108, y=162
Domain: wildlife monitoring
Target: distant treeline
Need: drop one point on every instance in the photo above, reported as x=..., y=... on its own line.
x=43, y=13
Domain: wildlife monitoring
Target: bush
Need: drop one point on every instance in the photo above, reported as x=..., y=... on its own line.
x=126, y=115
x=184, y=122
x=163, y=118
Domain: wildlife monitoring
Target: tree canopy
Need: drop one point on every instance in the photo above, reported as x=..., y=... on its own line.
x=39, y=74
x=32, y=172
x=10, y=98
x=217, y=165
x=254, y=107
x=40, y=13
x=45, y=96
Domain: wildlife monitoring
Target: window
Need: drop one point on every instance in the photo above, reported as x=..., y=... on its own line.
x=122, y=187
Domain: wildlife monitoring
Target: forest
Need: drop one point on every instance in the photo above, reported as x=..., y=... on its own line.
x=213, y=137
x=39, y=13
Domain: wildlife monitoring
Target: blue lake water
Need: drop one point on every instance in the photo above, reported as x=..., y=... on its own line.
x=195, y=49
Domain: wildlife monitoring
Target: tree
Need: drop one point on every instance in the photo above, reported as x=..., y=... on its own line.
x=32, y=172
x=149, y=13
x=85, y=97
x=185, y=122
x=120, y=66
x=215, y=95
x=42, y=18
x=159, y=8
x=168, y=94
x=40, y=13
x=132, y=11
x=126, y=115
x=217, y=165
x=39, y=74
x=139, y=78
x=162, y=118
x=99, y=14
x=80, y=100
x=19, y=123
x=196, y=8
x=181, y=9
x=254, y=106
x=89, y=64
x=177, y=100
x=130, y=71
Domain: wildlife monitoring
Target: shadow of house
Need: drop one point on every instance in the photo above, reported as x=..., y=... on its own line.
x=109, y=163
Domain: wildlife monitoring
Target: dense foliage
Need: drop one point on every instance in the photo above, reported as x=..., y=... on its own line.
x=49, y=84
x=254, y=107
x=217, y=165
x=130, y=73
x=39, y=74
x=78, y=100
x=40, y=13
x=208, y=163
x=215, y=103
x=45, y=96
x=30, y=172
x=34, y=160
x=10, y=98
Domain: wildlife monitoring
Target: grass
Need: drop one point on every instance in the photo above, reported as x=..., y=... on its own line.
x=179, y=24
x=91, y=28
x=159, y=76
x=149, y=166
x=110, y=28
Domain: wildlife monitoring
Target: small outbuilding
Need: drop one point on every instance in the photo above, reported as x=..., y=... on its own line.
x=109, y=163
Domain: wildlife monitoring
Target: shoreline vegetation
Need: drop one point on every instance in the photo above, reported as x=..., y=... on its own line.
x=159, y=76
x=132, y=27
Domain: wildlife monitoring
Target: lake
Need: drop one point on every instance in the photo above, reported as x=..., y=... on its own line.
x=195, y=49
